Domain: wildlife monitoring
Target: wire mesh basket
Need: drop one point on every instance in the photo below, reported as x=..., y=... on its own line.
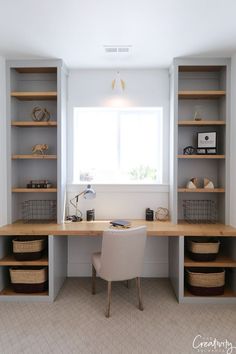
x=39, y=210
x=200, y=211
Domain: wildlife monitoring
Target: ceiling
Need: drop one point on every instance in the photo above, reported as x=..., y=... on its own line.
x=77, y=30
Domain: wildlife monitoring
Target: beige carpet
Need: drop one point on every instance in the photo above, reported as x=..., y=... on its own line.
x=75, y=322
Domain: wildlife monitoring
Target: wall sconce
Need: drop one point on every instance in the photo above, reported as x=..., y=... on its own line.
x=118, y=84
x=87, y=193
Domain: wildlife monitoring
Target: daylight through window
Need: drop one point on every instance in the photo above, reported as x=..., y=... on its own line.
x=118, y=146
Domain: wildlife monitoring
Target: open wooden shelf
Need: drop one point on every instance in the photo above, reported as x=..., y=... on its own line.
x=221, y=261
x=200, y=123
x=201, y=190
x=31, y=96
x=34, y=190
x=34, y=157
x=16, y=123
x=9, y=291
x=11, y=261
x=41, y=70
x=227, y=293
x=201, y=156
x=200, y=68
x=202, y=94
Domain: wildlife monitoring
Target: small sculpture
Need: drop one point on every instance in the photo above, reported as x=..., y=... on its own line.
x=189, y=150
x=39, y=114
x=192, y=183
x=39, y=149
x=198, y=115
x=162, y=214
x=208, y=184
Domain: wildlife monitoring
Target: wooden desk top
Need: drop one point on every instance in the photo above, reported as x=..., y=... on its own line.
x=96, y=228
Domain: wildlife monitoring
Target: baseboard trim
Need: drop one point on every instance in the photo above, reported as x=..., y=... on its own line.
x=151, y=269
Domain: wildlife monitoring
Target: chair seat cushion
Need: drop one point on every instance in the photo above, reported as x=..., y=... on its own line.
x=96, y=260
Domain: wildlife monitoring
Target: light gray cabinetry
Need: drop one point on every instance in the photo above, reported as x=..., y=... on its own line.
x=30, y=84
x=202, y=86
x=54, y=259
x=33, y=84
x=199, y=86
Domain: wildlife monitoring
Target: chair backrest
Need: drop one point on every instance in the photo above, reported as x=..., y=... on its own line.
x=123, y=253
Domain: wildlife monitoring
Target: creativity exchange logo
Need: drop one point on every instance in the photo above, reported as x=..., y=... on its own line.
x=209, y=344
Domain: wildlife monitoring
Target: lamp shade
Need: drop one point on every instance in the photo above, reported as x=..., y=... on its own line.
x=89, y=192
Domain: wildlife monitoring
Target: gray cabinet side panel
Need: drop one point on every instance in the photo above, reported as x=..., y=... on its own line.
x=176, y=274
x=8, y=145
x=173, y=143
x=4, y=250
x=57, y=264
x=62, y=146
x=3, y=144
x=228, y=150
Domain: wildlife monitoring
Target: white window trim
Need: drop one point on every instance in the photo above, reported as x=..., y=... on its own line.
x=120, y=188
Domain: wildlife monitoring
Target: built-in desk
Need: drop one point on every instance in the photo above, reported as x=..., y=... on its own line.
x=96, y=228
x=57, y=254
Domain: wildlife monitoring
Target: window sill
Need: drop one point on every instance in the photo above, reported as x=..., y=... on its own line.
x=119, y=188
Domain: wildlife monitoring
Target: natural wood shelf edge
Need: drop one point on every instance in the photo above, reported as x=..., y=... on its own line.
x=30, y=96
x=11, y=261
x=9, y=291
x=221, y=261
x=200, y=122
x=38, y=70
x=34, y=157
x=201, y=190
x=227, y=293
x=202, y=94
x=16, y=123
x=201, y=156
x=34, y=190
x=200, y=68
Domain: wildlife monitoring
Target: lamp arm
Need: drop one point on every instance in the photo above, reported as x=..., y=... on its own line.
x=75, y=205
x=71, y=202
x=76, y=198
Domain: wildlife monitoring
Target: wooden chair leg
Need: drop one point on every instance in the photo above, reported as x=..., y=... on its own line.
x=140, y=303
x=93, y=280
x=108, y=299
x=127, y=284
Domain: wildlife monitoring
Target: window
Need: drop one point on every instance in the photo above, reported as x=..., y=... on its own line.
x=112, y=145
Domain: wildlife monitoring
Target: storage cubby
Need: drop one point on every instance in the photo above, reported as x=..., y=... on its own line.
x=225, y=259
x=7, y=260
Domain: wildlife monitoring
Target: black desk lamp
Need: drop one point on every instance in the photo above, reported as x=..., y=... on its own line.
x=88, y=193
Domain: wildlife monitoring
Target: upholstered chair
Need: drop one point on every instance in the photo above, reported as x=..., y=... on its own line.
x=121, y=258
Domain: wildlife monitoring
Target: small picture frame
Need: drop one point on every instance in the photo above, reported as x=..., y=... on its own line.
x=201, y=151
x=206, y=140
x=211, y=151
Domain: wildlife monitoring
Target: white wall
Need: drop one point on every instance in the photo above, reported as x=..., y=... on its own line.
x=3, y=183
x=233, y=144
x=92, y=88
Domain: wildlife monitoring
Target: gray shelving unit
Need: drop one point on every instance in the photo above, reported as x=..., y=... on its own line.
x=203, y=85
x=32, y=83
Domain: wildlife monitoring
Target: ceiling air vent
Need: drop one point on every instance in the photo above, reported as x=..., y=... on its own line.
x=117, y=49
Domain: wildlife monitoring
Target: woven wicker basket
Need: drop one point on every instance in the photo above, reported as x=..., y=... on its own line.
x=29, y=280
x=28, y=249
x=28, y=276
x=203, y=245
x=206, y=281
x=206, y=277
x=203, y=249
